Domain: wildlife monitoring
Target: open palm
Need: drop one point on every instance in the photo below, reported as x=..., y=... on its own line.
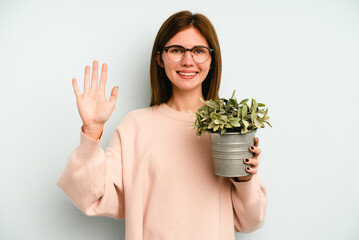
x=92, y=104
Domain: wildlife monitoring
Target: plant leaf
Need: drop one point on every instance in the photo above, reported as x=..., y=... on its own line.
x=258, y=124
x=210, y=104
x=224, y=117
x=201, y=99
x=245, y=123
x=211, y=125
x=253, y=115
x=244, y=101
x=233, y=93
x=244, y=111
x=235, y=123
x=191, y=113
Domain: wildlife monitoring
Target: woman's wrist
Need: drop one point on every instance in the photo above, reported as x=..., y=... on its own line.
x=93, y=132
x=242, y=179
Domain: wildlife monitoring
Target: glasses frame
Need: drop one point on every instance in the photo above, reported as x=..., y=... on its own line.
x=188, y=49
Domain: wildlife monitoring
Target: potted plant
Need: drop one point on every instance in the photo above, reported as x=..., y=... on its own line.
x=232, y=127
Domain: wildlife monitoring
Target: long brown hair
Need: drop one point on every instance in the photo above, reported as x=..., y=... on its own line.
x=161, y=88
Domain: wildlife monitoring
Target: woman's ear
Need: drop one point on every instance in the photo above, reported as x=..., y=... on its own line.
x=159, y=59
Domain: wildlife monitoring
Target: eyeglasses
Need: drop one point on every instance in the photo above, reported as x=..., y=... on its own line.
x=200, y=54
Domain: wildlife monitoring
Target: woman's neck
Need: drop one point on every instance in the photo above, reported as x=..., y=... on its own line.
x=182, y=101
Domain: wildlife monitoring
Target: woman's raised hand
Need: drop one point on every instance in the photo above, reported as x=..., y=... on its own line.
x=92, y=104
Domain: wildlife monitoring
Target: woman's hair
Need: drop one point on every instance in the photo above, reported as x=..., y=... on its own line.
x=161, y=88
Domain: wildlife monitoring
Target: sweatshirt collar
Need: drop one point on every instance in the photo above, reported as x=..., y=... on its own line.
x=175, y=114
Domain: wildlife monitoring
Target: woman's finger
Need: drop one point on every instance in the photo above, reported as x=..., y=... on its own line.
x=113, y=95
x=76, y=87
x=255, y=150
x=252, y=170
x=256, y=142
x=251, y=161
x=87, y=78
x=103, y=77
x=94, y=74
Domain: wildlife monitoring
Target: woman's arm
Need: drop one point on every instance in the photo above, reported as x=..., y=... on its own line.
x=249, y=201
x=249, y=196
x=92, y=178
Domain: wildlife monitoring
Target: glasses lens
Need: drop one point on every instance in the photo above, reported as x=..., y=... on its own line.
x=176, y=53
x=200, y=54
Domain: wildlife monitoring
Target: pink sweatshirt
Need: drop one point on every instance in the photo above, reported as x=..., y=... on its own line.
x=157, y=174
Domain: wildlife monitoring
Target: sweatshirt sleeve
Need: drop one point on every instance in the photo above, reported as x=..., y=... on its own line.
x=92, y=178
x=249, y=201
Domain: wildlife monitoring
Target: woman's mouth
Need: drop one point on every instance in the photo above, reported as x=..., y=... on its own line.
x=187, y=75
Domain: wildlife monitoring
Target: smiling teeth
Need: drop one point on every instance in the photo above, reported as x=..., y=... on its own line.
x=187, y=74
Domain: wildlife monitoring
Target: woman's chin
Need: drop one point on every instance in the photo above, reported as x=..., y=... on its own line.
x=188, y=87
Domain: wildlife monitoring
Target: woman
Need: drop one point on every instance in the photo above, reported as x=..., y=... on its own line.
x=155, y=171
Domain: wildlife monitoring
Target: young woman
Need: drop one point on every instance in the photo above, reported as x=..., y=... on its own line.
x=155, y=172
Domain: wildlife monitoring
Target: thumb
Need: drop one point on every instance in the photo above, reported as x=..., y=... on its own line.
x=113, y=95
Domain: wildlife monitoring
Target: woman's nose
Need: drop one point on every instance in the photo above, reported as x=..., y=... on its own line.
x=187, y=59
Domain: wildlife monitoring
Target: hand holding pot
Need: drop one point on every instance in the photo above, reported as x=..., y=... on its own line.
x=252, y=161
x=92, y=104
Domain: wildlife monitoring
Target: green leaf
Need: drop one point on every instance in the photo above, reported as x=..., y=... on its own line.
x=225, y=118
x=258, y=124
x=264, y=119
x=265, y=112
x=239, y=112
x=244, y=111
x=191, y=113
x=268, y=124
x=211, y=125
x=235, y=123
x=210, y=104
x=216, y=128
x=244, y=130
x=253, y=115
x=261, y=111
x=233, y=93
x=244, y=101
x=245, y=123
x=254, y=105
x=215, y=115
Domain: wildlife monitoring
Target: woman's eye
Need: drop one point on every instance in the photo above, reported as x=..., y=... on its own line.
x=176, y=50
x=198, y=51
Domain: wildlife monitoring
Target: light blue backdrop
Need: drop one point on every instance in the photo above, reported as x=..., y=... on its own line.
x=299, y=57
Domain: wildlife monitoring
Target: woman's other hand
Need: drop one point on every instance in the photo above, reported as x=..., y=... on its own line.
x=92, y=104
x=252, y=161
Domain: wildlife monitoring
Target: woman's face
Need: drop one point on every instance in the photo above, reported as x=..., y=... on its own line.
x=186, y=75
